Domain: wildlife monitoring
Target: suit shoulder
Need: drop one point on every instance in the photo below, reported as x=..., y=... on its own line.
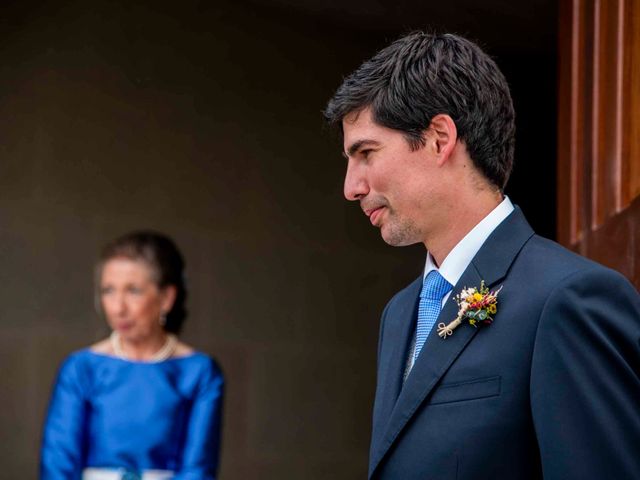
x=562, y=277
x=544, y=258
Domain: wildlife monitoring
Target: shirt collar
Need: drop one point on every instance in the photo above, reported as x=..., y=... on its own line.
x=459, y=258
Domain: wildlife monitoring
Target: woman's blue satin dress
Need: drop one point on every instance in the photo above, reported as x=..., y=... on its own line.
x=107, y=412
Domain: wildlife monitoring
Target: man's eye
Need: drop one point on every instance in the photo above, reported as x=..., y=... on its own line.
x=365, y=153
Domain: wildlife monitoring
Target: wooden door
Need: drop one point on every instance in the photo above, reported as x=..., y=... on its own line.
x=599, y=132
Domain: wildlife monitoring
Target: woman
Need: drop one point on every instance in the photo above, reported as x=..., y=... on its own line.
x=139, y=404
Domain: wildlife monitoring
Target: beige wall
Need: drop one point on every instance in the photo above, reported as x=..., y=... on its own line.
x=205, y=124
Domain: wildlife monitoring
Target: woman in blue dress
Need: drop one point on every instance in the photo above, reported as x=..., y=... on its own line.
x=140, y=404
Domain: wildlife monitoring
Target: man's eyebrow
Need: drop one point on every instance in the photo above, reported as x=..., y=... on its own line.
x=358, y=145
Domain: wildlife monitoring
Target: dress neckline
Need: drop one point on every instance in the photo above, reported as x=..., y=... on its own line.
x=193, y=354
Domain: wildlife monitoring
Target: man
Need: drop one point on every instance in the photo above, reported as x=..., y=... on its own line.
x=550, y=389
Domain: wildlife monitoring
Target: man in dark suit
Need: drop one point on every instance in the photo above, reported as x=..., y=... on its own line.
x=550, y=389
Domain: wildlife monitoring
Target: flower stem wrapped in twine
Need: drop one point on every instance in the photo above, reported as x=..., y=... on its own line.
x=447, y=330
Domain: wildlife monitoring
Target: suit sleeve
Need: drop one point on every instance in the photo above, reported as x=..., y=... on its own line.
x=63, y=437
x=585, y=385
x=202, y=444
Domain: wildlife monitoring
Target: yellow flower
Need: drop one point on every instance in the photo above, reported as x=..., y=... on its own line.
x=477, y=296
x=492, y=308
x=472, y=322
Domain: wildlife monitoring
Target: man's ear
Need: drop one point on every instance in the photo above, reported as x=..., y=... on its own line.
x=444, y=136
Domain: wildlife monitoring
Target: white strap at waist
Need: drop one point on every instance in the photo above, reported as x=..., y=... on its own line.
x=123, y=474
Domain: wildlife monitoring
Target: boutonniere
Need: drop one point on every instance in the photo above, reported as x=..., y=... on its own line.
x=475, y=305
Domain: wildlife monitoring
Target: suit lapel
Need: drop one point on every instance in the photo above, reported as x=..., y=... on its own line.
x=491, y=265
x=434, y=360
x=392, y=372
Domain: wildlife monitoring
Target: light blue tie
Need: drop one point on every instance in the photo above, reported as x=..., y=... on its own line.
x=434, y=288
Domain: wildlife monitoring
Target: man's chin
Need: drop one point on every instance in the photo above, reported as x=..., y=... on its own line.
x=397, y=238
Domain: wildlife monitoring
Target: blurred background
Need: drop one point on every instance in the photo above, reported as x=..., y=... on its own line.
x=203, y=120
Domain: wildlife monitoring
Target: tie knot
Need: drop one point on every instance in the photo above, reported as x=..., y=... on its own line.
x=435, y=286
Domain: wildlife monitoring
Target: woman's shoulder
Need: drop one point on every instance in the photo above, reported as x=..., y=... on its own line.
x=76, y=368
x=78, y=357
x=207, y=364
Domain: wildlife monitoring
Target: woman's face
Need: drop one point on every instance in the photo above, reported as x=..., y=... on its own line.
x=131, y=300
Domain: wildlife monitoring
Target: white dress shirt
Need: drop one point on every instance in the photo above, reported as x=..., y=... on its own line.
x=461, y=255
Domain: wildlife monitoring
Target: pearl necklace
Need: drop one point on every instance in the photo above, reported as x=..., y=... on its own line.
x=165, y=351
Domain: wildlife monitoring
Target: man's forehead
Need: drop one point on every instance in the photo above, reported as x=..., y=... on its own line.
x=360, y=128
x=357, y=123
x=353, y=116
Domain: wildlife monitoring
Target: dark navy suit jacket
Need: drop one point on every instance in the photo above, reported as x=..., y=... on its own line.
x=550, y=390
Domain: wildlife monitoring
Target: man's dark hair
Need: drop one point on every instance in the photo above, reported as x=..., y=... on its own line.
x=422, y=75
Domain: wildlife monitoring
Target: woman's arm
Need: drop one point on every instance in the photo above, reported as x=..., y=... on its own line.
x=202, y=444
x=63, y=438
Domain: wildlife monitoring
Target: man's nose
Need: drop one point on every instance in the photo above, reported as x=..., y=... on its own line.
x=355, y=184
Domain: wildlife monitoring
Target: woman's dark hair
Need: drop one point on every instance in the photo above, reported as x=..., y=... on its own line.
x=422, y=75
x=160, y=253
